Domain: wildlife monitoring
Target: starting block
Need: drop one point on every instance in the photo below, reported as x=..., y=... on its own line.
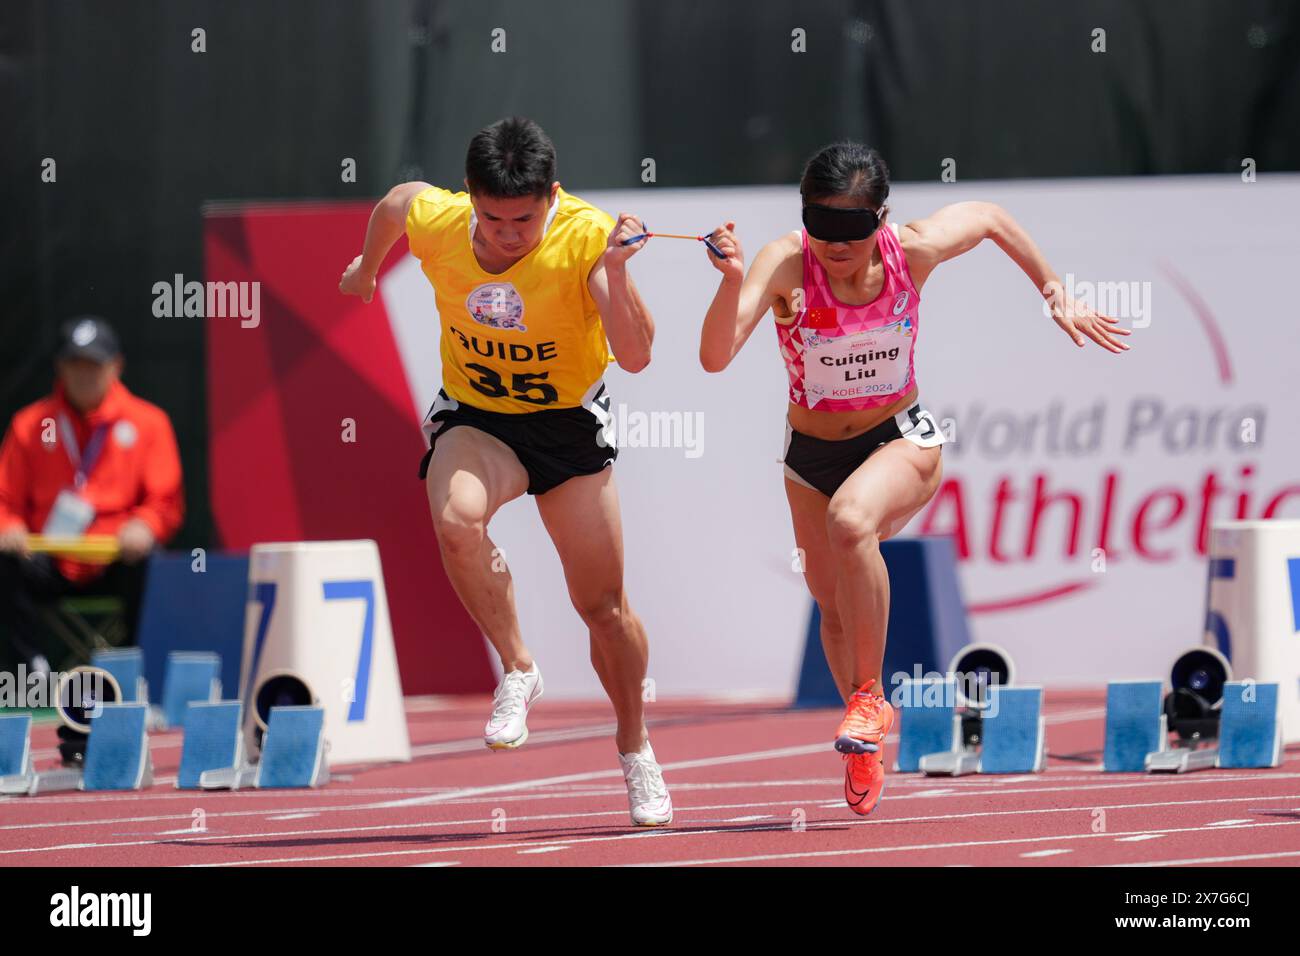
x=974, y=720
x=1015, y=731
x=1250, y=727
x=1206, y=720
x=1008, y=734
x=929, y=722
x=117, y=755
x=15, y=753
x=190, y=676
x=293, y=753
x=1135, y=725
x=213, y=741
x=126, y=664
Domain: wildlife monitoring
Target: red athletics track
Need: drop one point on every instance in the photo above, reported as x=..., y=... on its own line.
x=742, y=775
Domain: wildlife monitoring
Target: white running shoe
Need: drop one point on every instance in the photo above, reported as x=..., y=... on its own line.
x=647, y=794
x=507, y=727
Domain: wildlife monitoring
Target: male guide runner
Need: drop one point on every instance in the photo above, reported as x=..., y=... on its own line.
x=533, y=293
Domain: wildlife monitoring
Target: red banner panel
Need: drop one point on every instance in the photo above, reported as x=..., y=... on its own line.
x=313, y=433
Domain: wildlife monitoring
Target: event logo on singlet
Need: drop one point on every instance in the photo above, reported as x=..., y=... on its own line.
x=859, y=365
x=497, y=305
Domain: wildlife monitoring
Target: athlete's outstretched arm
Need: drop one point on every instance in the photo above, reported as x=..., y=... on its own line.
x=387, y=224
x=963, y=226
x=741, y=300
x=627, y=321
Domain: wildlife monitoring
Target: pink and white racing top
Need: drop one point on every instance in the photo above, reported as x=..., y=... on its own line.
x=844, y=358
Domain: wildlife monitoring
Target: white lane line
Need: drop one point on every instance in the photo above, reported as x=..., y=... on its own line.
x=1140, y=783
x=472, y=744
x=928, y=846
x=293, y=816
x=1140, y=838
x=1202, y=861
x=150, y=796
x=749, y=819
x=777, y=754
x=486, y=823
x=543, y=849
x=1035, y=854
x=665, y=834
x=1226, y=823
x=535, y=818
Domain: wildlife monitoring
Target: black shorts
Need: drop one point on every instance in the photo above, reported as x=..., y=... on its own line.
x=825, y=465
x=553, y=445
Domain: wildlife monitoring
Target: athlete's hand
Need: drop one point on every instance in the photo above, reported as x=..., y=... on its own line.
x=1077, y=320
x=356, y=282
x=627, y=226
x=724, y=237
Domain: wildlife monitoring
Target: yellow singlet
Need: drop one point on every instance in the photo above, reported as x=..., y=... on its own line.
x=529, y=338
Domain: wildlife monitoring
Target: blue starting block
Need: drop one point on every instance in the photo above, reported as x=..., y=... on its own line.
x=1015, y=731
x=293, y=750
x=117, y=755
x=1135, y=725
x=213, y=741
x=117, y=751
x=928, y=721
x=1007, y=734
x=293, y=754
x=126, y=664
x=15, y=753
x=1244, y=731
x=1250, y=726
x=190, y=676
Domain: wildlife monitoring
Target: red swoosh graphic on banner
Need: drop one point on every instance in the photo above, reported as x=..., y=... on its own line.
x=1202, y=312
x=1027, y=600
x=1219, y=347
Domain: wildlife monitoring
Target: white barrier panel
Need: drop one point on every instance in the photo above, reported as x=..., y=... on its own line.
x=1253, y=610
x=318, y=610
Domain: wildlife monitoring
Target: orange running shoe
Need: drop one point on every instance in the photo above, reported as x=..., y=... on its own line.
x=864, y=782
x=867, y=720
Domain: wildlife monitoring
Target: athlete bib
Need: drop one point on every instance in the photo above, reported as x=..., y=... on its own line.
x=860, y=365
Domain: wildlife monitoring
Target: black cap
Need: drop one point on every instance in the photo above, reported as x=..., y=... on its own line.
x=89, y=337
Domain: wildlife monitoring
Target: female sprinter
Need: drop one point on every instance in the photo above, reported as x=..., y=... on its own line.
x=862, y=454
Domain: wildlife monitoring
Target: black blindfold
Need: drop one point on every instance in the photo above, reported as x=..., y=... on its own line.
x=833, y=224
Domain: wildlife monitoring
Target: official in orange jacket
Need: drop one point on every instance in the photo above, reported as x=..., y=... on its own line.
x=89, y=459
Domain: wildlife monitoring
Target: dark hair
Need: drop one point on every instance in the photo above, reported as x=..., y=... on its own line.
x=513, y=157
x=846, y=169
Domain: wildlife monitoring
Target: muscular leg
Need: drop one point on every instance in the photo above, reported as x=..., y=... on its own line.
x=582, y=518
x=470, y=477
x=872, y=505
x=808, y=511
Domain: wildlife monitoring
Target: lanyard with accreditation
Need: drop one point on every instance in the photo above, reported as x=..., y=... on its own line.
x=72, y=514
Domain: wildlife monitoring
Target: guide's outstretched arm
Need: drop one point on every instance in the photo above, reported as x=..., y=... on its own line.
x=387, y=224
